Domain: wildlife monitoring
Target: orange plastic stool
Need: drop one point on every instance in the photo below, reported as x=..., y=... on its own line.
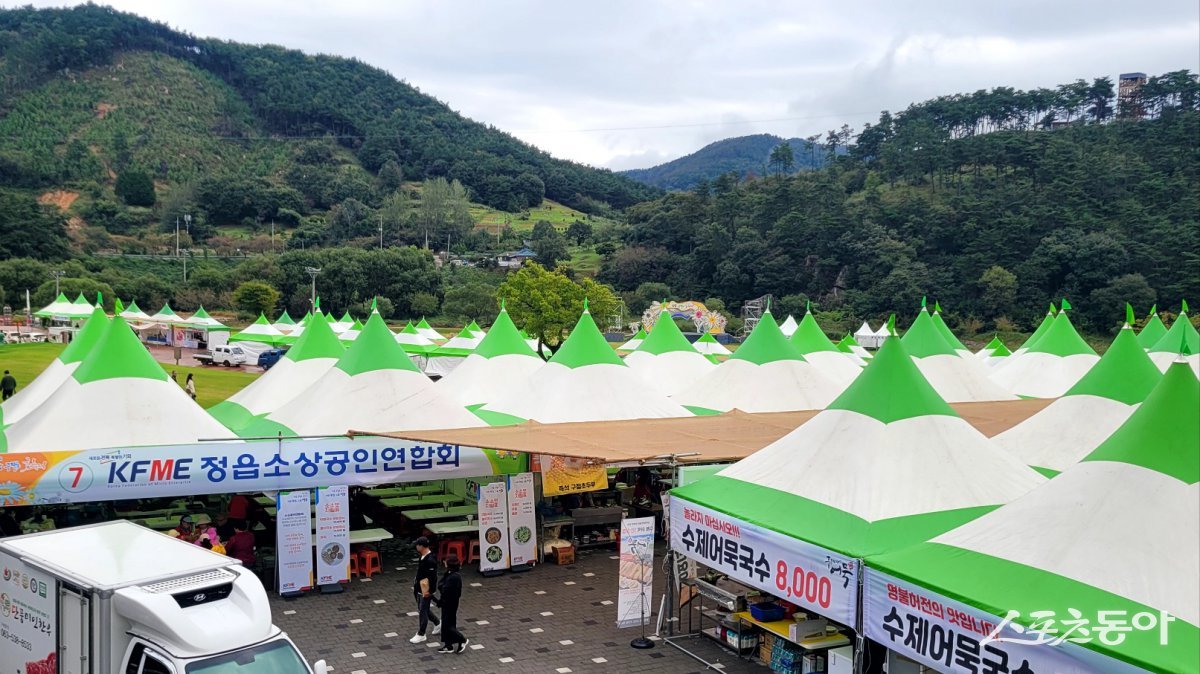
x=457, y=548
x=442, y=545
x=473, y=556
x=369, y=563
x=353, y=565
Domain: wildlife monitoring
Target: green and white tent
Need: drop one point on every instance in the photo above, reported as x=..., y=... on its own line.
x=1116, y=534
x=666, y=360
x=428, y=332
x=293, y=335
x=1057, y=437
x=311, y=356
x=351, y=334
x=709, y=346
x=166, y=316
x=1172, y=344
x=284, y=323
x=956, y=379
x=1051, y=365
x=373, y=387
x=342, y=324
x=634, y=342
x=765, y=374
x=134, y=313
x=947, y=334
x=585, y=381
x=1047, y=322
x=1153, y=330
x=59, y=370
x=80, y=308
x=260, y=331
x=498, y=365
x=202, y=321
x=993, y=353
x=867, y=337
x=413, y=342
x=450, y=355
x=810, y=340
x=61, y=307
x=851, y=346
x=119, y=396
x=886, y=465
x=788, y=326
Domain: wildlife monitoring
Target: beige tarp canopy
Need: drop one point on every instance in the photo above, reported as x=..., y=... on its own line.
x=723, y=437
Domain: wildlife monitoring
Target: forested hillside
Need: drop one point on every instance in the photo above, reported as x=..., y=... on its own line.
x=982, y=201
x=90, y=91
x=745, y=156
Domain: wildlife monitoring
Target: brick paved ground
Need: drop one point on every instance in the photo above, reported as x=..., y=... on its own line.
x=551, y=619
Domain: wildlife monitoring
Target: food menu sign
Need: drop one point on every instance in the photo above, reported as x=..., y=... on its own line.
x=294, y=541
x=522, y=520
x=333, y=535
x=493, y=526
x=27, y=619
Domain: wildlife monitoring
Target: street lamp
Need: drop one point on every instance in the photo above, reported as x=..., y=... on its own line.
x=187, y=221
x=57, y=275
x=313, y=271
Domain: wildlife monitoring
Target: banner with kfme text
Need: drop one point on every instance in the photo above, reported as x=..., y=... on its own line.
x=805, y=574
x=33, y=478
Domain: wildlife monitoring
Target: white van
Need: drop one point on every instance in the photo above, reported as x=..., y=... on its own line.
x=118, y=598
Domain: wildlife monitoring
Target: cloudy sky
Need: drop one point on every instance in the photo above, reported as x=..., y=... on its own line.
x=628, y=84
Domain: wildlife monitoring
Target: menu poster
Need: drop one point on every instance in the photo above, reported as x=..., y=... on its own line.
x=636, y=574
x=522, y=519
x=28, y=618
x=333, y=535
x=293, y=543
x=493, y=527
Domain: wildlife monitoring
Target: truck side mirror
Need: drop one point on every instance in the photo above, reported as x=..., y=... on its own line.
x=319, y=667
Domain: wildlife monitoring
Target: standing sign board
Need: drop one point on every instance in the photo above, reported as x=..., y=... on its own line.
x=27, y=618
x=333, y=535
x=493, y=527
x=294, y=551
x=522, y=520
x=636, y=575
x=810, y=576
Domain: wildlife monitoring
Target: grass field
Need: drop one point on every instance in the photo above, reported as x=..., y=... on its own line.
x=586, y=261
x=26, y=362
x=551, y=211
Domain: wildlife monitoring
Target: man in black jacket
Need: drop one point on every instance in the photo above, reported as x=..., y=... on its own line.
x=423, y=586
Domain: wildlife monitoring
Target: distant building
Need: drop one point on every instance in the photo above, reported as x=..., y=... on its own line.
x=514, y=259
x=1129, y=86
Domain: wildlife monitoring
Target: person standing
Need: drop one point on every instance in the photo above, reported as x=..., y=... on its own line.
x=190, y=386
x=423, y=587
x=450, y=590
x=8, y=385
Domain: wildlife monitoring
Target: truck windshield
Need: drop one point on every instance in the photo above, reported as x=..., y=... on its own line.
x=276, y=657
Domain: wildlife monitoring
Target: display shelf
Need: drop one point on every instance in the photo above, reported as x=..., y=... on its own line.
x=780, y=629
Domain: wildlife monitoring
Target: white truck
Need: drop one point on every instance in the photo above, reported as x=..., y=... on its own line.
x=117, y=598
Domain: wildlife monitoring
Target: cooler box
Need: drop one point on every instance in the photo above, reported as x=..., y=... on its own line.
x=841, y=660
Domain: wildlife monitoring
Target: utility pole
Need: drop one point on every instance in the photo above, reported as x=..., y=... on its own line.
x=57, y=275
x=381, y=231
x=313, y=271
x=176, y=236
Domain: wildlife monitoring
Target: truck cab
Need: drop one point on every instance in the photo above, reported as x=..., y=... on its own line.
x=117, y=598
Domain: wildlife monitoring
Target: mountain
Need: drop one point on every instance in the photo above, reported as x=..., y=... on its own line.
x=746, y=156
x=89, y=93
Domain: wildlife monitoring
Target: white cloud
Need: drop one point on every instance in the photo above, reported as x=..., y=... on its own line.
x=626, y=81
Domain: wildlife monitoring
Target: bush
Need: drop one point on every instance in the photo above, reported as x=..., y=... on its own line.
x=135, y=188
x=423, y=304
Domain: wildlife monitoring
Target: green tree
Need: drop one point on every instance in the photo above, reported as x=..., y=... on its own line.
x=28, y=229
x=547, y=303
x=424, y=304
x=135, y=188
x=551, y=248
x=72, y=287
x=579, y=231
x=391, y=177
x=782, y=158
x=998, y=290
x=21, y=274
x=472, y=301
x=255, y=297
